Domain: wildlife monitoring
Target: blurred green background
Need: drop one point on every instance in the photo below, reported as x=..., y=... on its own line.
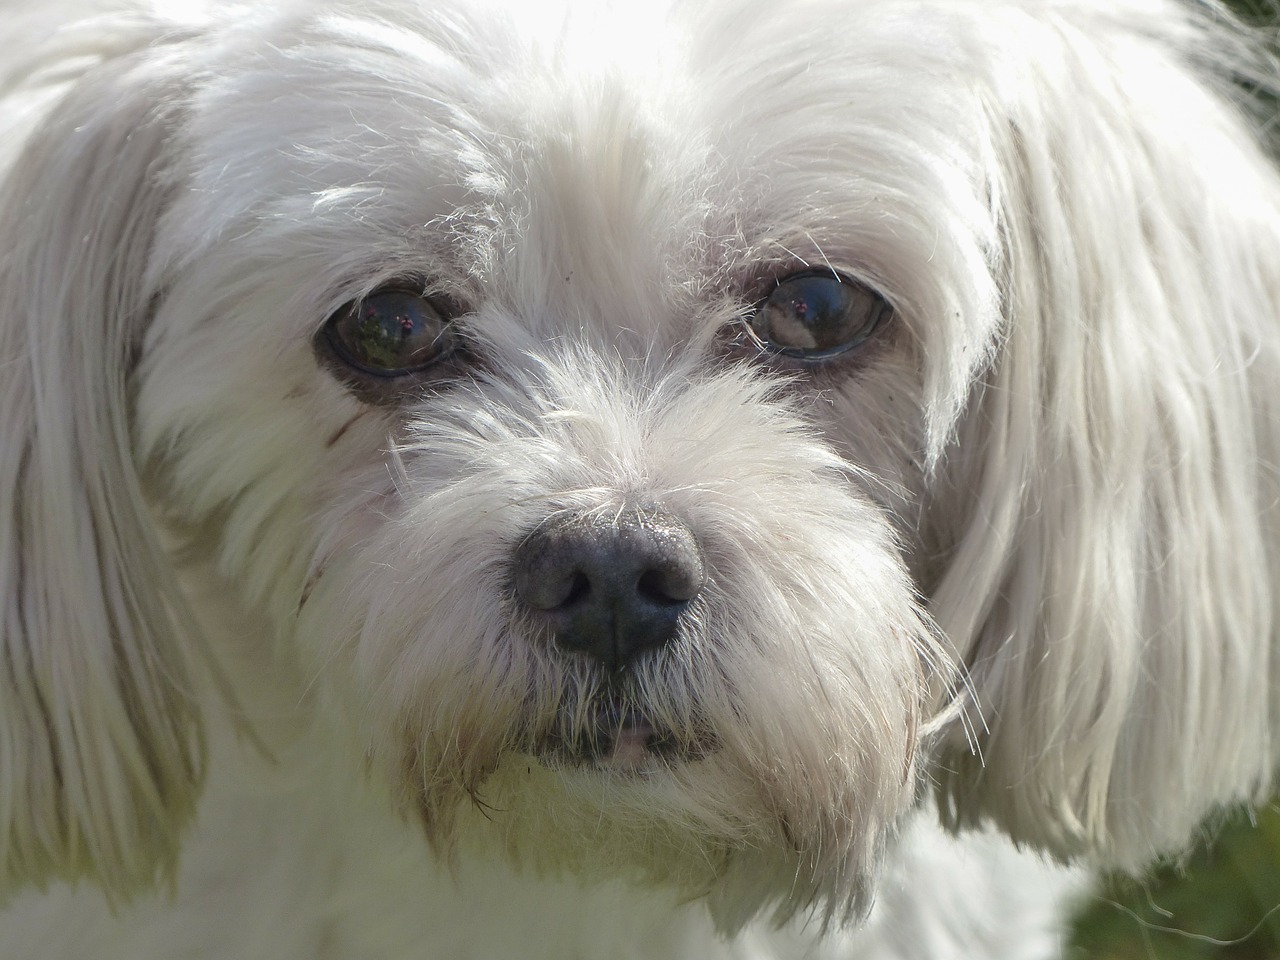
x=1222, y=902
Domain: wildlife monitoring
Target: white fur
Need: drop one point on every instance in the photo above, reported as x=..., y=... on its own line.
x=267, y=689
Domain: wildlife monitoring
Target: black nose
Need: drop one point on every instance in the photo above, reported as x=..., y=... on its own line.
x=612, y=586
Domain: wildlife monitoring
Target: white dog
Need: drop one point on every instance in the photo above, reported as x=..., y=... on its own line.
x=512, y=480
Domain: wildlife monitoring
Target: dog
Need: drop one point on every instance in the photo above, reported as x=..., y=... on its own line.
x=675, y=480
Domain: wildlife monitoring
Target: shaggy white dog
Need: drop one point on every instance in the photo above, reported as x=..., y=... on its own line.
x=519, y=480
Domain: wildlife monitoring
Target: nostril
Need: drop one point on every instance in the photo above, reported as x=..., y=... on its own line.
x=666, y=587
x=579, y=588
x=550, y=572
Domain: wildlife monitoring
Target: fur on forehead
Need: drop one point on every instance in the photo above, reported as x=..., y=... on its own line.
x=591, y=191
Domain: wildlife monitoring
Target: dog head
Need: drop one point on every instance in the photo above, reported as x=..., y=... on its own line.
x=695, y=424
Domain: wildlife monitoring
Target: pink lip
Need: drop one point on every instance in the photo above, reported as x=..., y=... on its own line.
x=630, y=750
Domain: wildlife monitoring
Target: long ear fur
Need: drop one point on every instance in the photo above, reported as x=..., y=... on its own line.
x=1114, y=586
x=100, y=747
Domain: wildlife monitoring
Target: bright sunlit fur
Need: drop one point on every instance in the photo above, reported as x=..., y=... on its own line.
x=267, y=688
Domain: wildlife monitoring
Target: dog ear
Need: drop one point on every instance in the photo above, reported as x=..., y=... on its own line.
x=1111, y=586
x=100, y=745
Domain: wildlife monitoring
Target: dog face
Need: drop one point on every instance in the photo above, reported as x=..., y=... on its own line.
x=689, y=423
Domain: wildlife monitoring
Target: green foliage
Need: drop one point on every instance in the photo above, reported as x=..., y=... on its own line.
x=1254, y=10
x=1221, y=903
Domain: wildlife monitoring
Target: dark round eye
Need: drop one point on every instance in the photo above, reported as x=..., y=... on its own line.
x=390, y=333
x=815, y=316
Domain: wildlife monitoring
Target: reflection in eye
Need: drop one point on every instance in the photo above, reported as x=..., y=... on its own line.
x=814, y=316
x=391, y=333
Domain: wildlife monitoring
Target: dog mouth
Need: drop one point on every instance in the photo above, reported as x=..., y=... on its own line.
x=615, y=735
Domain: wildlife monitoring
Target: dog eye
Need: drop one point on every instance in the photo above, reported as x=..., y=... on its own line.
x=390, y=333
x=815, y=316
